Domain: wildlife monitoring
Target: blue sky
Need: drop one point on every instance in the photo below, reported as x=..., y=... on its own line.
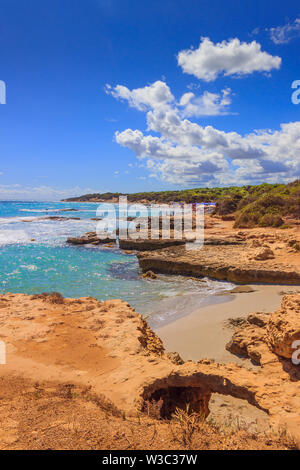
x=126, y=95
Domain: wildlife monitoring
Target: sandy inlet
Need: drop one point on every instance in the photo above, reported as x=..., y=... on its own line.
x=203, y=333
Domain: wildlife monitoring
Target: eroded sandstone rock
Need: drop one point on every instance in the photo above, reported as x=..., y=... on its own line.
x=265, y=334
x=264, y=254
x=283, y=327
x=231, y=262
x=148, y=244
x=150, y=275
x=110, y=348
x=90, y=238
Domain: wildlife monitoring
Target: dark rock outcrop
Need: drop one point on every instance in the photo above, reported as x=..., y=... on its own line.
x=148, y=244
x=90, y=238
x=230, y=262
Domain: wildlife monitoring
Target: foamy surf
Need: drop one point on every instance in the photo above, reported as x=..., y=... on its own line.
x=13, y=220
x=13, y=236
x=35, y=258
x=23, y=229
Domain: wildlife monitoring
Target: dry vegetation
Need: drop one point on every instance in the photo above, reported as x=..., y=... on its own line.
x=50, y=416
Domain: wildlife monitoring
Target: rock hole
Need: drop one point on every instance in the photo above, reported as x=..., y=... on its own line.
x=162, y=403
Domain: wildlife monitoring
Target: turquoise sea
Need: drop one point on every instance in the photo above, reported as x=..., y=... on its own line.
x=49, y=264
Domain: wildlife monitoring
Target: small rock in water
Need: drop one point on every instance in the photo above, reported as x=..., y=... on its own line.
x=150, y=275
x=242, y=290
x=197, y=279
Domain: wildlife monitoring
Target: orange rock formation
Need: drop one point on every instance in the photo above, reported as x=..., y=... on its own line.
x=108, y=347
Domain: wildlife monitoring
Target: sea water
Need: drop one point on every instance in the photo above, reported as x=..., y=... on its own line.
x=35, y=258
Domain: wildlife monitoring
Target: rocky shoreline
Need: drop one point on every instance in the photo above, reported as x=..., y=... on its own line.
x=218, y=263
x=109, y=348
x=251, y=256
x=107, y=352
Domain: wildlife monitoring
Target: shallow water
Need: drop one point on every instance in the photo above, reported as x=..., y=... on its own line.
x=50, y=264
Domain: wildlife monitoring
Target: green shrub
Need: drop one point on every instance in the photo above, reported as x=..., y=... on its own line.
x=227, y=204
x=270, y=220
x=262, y=205
x=246, y=220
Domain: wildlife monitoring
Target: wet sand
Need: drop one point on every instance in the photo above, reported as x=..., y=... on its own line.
x=203, y=333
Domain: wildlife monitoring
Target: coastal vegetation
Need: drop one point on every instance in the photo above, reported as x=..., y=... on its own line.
x=263, y=205
x=185, y=195
x=269, y=207
x=217, y=195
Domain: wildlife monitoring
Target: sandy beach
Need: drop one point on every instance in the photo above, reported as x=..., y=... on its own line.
x=203, y=333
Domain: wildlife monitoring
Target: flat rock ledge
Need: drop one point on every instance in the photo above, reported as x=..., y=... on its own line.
x=221, y=261
x=109, y=348
x=149, y=244
x=90, y=238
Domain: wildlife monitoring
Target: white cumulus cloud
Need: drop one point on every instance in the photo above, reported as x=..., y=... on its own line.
x=231, y=57
x=151, y=96
x=183, y=151
x=178, y=150
x=208, y=104
x=158, y=96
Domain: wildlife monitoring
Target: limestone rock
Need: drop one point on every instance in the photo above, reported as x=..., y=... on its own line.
x=242, y=290
x=223, y=262
x=283, y=327
x=148, y=244
x=149, y=275
x=264, y=254
x=90, y=238
x=109, y=348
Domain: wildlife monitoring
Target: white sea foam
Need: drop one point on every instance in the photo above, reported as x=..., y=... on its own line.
x=23, y=229
x=13, y=236
x=18, y=219
x=185, y=296
x=57, y=210
x=29, y=267
x=39, y=210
